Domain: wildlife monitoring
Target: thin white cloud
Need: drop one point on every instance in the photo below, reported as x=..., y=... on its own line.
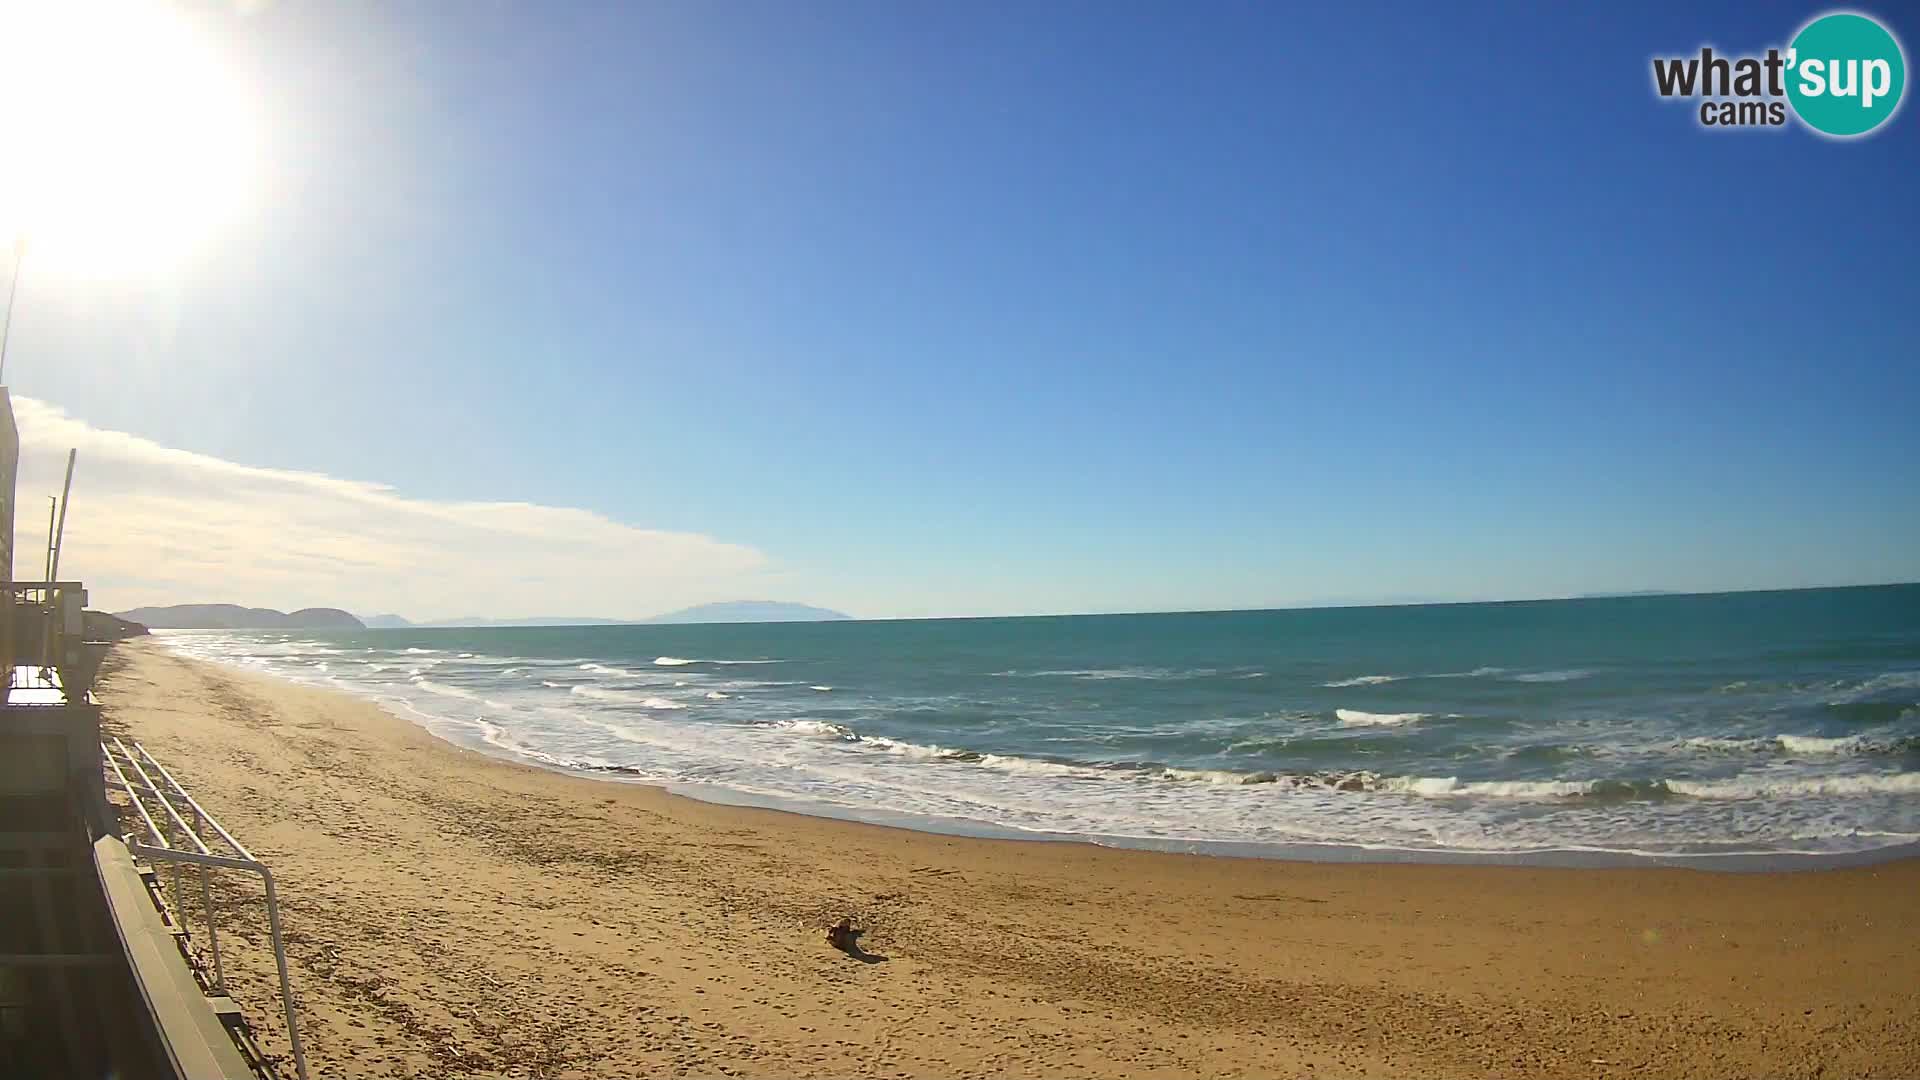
x=152, y=524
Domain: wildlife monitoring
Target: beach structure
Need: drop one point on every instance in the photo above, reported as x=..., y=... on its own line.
x=102, y=855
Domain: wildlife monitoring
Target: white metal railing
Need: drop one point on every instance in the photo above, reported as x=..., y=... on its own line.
x=172, y=827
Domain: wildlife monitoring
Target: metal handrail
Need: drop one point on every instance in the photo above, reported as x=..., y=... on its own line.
x=163, y=851
x=206, y=886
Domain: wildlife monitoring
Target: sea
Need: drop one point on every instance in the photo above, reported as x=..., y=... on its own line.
x=1731, y=730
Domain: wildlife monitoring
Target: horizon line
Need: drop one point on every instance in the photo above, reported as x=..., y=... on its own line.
x=590, y=620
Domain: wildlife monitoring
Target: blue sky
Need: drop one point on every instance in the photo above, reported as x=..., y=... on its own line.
x=953, y=310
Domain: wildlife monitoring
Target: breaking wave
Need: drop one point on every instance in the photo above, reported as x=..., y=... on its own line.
x=624, y=697
x=1760, y=787
x=1366, y=781
x=1356, y=718
x=443, y=689
x=1365, y=680
x=1863, y=745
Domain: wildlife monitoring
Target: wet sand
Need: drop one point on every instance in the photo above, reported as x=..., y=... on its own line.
x=451, y=914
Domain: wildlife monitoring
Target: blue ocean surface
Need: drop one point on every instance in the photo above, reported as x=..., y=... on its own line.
x=1761, y=724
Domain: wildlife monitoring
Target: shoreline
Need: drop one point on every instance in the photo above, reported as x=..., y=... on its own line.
x=1739, y=862
x=1572, y=857
x=455, y=913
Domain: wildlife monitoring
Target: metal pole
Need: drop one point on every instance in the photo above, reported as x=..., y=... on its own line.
x=179, y=899
x=6, y=327
x=213, y=931
x=53, y=504
x=286, y=988
x=61, y=535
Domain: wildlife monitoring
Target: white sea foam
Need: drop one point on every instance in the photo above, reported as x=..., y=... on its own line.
x=911, y=750
x=443, y=689
x=1568, y=675
x=1438, y=786
x=495, y=736
x=1026, y=766
x=822, y=689
x=672, y=661
x=1365, y=680
x=1865, y=743
x=1216, y=776
x=1376, y=680
x=624, y=697
x=606, y=669
x=815, y=727
x=1717, y=744
x=1763, y=787
x=1009, y=763
x=1814, y=744
x=1104, y=674
x=717, y=695
x=1891, y=680
x=1356, y=718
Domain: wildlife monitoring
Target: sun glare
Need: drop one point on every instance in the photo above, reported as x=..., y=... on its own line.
x=127, y=140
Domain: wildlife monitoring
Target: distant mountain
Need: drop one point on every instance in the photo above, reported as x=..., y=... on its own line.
x=738, y=611
x=1625, y=595
x=235, y=617
x=385, y=622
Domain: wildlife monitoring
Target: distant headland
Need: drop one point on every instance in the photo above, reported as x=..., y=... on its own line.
x=732, y=611
x=235, y=617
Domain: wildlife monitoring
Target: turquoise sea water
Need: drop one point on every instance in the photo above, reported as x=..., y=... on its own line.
x=1697, y=726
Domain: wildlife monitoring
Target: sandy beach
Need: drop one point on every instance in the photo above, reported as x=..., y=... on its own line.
x=451, y=914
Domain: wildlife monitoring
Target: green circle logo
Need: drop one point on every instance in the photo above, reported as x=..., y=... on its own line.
x=1845, y=74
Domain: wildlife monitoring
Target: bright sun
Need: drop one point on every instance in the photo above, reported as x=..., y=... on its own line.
x=125, y=141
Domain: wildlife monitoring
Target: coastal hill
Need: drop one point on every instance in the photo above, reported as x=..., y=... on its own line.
x=235, y=617
x=733, y=611
x=100, y=626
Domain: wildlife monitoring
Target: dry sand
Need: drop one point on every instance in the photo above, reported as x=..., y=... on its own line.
x=450, y=914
